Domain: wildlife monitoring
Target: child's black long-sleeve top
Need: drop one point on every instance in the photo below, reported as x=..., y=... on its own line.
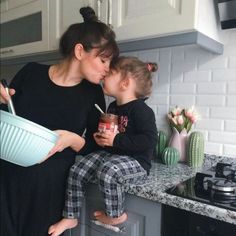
x=137, y=131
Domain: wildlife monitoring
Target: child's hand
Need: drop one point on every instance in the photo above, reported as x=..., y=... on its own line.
x=97, y=138
x=105, y=138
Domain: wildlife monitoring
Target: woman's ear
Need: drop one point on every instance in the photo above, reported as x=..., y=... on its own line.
x=78, y=51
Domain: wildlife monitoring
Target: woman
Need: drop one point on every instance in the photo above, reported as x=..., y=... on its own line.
x=60, y=97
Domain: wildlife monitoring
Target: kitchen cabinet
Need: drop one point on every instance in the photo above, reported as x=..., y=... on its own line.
x=25, y=27
x=16, y=3
x=35, y=26
x=138, y=25
x=178, y=222
x=135, y=20
x=144, y=216
x=68, y=13
x=6, y=5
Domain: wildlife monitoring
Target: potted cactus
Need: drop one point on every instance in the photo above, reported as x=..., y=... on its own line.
x=161, y=144
x=170, y=156
x=196, y=149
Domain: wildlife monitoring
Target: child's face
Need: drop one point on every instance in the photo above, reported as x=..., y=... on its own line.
x=111, y=83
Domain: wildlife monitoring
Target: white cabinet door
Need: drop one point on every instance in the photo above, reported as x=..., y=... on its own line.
x=16, y=3
x=69, y=12
x=24, y=29
x=65, y=14
x=3, y=5
x=6, y=5
x=138, y=19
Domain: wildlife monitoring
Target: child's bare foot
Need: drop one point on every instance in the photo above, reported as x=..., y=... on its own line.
x=102, y=217
x=61, y=226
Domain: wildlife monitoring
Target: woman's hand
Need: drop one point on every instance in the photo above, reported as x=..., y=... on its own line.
x=105, y=138
x=4, y=97
x=67, y=139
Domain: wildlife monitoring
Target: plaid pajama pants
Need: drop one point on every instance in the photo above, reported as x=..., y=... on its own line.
x=112, y=173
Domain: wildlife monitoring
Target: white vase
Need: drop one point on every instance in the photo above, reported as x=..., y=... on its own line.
x=179, y=141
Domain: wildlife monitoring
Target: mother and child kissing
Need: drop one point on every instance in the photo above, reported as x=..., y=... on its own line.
x=125, y=155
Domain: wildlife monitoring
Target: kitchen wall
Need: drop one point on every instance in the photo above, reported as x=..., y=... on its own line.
x=189, y=75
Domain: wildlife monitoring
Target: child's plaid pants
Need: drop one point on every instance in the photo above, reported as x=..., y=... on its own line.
x=111, y=171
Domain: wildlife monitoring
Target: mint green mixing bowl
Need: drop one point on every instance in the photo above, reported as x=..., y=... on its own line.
x=24, y=142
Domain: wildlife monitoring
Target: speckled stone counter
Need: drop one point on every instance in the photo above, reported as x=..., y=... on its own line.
x=162, y=177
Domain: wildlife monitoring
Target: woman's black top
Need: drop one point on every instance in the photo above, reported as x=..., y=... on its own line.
x=32, y=198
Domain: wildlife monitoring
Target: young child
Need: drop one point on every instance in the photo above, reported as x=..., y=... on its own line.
x=127, y=154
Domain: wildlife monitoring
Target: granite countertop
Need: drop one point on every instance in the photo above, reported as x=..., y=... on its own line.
x=162, y=177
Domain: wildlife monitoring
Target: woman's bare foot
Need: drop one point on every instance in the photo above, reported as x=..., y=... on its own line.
x=102, y=217
x=61, y=226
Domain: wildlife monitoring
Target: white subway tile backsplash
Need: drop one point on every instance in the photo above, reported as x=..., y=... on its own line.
x=218, y=62
x=232, y=62
x=177, y=54
x=223, y=112
x=210, y=124
x=162, y=124
x=162, y=110
x=213, y=148
x=231, y=87
x=158, y=99
x=211, y=88
x=149, y=55
x=192, y=76
x=176, y=77
x=203, y=111
x=165, y=54
x=232, y=37
x=224, y=75
x=231, y=100
x=181, y=88
x=160, y=88
x=229, y=150
x=230, y=125
x=182, y=100
x=222, y=137
x=229, y=50
x=184, y=66
x=197, y=76
x=210, y=100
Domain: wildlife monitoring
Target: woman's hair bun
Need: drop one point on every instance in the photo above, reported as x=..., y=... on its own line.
x=152, y=66
x=88, y=14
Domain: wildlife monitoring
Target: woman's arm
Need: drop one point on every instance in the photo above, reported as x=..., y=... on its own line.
x=67, y=139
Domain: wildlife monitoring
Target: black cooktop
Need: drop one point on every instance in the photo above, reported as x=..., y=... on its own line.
x=216, y=187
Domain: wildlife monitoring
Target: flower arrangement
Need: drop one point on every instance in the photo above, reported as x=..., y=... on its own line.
x=182, y=118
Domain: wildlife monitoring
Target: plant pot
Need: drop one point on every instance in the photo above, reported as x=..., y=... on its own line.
x=179, y=141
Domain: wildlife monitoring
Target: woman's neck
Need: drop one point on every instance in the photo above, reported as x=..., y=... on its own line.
x=65, y=73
